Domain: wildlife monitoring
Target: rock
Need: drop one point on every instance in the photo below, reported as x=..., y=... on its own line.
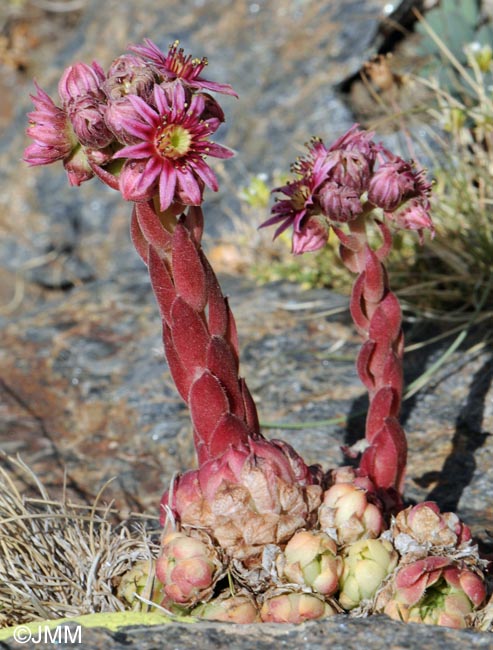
x=339, y=633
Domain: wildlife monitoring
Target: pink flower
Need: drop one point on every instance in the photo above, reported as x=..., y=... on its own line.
x=301, y=201
x=291, y=211
x=175, y=65
x=330, y=184
x=50, y=129
x=172, y=145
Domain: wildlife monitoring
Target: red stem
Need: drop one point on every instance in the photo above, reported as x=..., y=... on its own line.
x=199, y=330
x=377, y=315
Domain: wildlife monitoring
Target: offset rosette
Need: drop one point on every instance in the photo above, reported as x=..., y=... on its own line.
x=367, y=564
x=435, y=590
x=310, y=559
x=347, y=512
x=240, y=608
x=284, y=606
x=188, y=569
x=422, y=528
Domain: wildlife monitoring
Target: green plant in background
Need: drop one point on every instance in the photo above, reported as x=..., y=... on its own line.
x=459, y=269
x=451, y=280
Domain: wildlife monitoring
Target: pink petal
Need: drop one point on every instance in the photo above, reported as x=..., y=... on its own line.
x=178, y=101
x=219, y=151
x=225, y=89
x=161, y=101
x=206, y=174
x=136, y=180
x=191, y=190
x=138, y=151
x=197, y=105
x=144, y=110
x=167, y=185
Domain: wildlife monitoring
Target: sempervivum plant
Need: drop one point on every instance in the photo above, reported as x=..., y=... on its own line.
x=250, y=534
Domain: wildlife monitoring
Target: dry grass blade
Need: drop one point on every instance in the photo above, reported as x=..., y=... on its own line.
x=59, y=559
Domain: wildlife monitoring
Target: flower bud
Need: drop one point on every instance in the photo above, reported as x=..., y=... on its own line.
x=51, y=132
x=294, y=608
x=339, y=203
x=187, y=568
x=129, y=75
x=349, y=168
x=77, y=167
x=391, y=184
x=414, y=215
x=310, y=558
x=87, y=117
x=347, y=516
x=80, y=80
x=367, y=563
x=118, y=113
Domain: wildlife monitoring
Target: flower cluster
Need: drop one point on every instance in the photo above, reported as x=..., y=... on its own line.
x=143, y=127
x=336, y=185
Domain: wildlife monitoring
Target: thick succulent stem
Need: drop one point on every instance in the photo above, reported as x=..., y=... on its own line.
x=377, y=316
x=199, y=330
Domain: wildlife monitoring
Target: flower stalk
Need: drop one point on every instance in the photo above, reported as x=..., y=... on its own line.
x=344, y=189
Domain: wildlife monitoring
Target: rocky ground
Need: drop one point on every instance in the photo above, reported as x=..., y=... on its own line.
x=83, y=383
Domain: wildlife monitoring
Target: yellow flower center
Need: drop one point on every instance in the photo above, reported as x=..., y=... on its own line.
x=174, y=141
x=300, y=197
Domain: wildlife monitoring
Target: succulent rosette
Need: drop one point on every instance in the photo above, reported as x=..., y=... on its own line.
x=140, y=581
x=435, y=591
x=294, y=607
x=423, y=527
x=367, y=563
x=347, y=515
x=239, y=608
x=247, y=497
x=310, y=559
x=187, y=568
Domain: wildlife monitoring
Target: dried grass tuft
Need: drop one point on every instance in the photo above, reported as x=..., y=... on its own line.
x=59, y=559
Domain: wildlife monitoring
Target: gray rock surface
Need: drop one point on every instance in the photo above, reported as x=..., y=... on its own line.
x=336, y=633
